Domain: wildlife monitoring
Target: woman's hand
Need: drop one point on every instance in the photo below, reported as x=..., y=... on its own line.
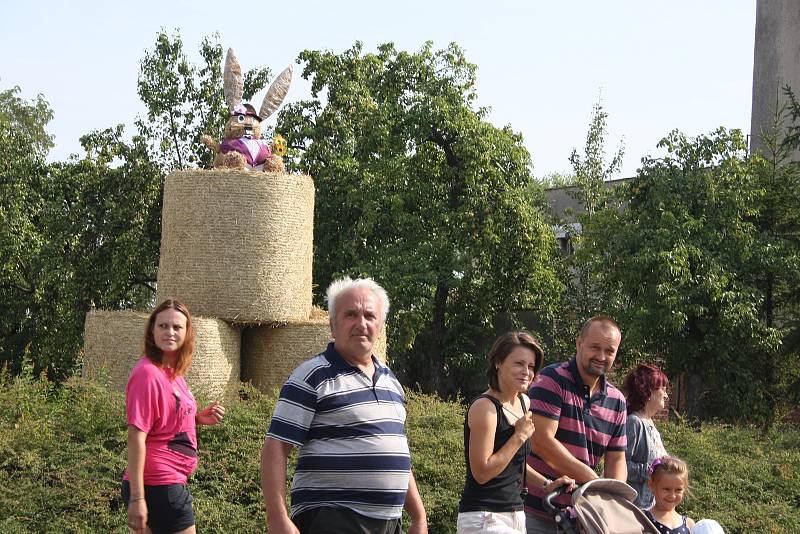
x=211, y=415
x=524, y=426
x=137, y=515
x=561, y=481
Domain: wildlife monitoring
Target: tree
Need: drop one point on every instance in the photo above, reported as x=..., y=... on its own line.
x=24, y=143
x=415, y=188
x=776, y=272
x=581, y=269
x=682, y=256
x=74, y=234
x=591, y=171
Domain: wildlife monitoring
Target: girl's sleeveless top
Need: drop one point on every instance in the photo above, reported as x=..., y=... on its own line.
x=663, y=529
x=502, y=493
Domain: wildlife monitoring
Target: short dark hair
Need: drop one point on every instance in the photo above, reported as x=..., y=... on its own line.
x=185, y=353
x=505, y=345
x=640, y=383
x=601, y=319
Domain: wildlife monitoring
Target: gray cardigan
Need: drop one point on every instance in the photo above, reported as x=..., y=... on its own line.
x=644, y=446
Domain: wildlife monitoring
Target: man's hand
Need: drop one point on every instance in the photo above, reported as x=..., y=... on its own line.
x=418, y=527
x=274, y=454
x=281, y=524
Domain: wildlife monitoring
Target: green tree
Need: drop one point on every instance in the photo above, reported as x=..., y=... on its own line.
x=75, y=234
x=24, y=143
x=777, y=261
x=415, y=188
x=591, y=171
x=581, y=268
x=682, y=256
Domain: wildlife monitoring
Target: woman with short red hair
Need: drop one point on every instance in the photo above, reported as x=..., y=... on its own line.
x=645, y=390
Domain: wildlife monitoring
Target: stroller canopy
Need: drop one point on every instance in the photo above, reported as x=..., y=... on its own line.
x=605, y=506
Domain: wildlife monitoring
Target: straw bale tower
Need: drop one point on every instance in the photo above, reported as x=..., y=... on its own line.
x=236, y=247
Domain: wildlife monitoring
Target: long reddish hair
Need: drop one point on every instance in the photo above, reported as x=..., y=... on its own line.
x=640, y=383
x=185, y=352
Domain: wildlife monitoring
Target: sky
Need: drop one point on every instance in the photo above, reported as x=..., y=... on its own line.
x=542, y=65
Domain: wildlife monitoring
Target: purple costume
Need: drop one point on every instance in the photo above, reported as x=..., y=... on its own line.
x=255, y=151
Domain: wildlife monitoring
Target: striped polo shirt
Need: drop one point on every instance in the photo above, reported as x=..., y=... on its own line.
x=350, y=430
x=586, y=427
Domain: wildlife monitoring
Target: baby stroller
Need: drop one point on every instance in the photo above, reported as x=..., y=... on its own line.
x=601, y=506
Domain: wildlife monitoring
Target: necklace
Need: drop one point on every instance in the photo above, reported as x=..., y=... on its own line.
x=511, y=412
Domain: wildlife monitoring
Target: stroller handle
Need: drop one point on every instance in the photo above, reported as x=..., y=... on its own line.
x=548, y=500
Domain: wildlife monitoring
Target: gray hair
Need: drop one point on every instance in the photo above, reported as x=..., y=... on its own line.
x=343, y=285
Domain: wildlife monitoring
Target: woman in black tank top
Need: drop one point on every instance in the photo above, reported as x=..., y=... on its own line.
x=497, y=432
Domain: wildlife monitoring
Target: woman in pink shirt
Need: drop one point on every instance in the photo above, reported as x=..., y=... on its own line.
x=162, y=414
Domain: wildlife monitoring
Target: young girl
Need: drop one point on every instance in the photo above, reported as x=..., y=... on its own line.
x=669, y=482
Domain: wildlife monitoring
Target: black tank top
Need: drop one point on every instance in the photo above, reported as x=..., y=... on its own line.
x=502, y=493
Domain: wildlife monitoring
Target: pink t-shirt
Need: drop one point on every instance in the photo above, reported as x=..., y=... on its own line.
x=165, y=409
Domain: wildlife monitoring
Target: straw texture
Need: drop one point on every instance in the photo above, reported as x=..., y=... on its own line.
x=238, y=245
x=113, y=343
x=270, y=353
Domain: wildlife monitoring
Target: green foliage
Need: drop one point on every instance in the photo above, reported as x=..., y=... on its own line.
x=686, y=262
x=414, y=188
x=591, y=171
x=62, y=454
x=74, y=234
x=582, y=277
x=558, y=179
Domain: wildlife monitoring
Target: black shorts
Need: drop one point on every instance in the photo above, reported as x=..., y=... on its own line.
x=329, y=520
x=169, y=508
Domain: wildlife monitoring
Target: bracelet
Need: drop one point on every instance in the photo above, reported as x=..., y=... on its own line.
x=136, y=499
x=546, y=483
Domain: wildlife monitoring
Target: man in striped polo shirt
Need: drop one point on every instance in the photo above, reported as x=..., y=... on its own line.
x=345, y=411
x=579, y=418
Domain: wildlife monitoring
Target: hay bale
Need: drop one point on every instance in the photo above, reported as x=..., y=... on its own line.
x=113, y=343
x=271, y=352
x=238, y=245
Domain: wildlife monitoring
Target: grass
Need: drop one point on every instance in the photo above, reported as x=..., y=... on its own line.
x=62, y=452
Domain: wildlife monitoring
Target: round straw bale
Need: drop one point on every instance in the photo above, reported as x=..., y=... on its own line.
x=238, y=245
x=113, y=343
x=271, y=352
x=215, y=370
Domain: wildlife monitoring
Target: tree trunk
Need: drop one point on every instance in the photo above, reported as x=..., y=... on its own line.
x=436, y=340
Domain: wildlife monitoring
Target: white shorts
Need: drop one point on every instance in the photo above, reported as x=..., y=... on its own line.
x=491, y=523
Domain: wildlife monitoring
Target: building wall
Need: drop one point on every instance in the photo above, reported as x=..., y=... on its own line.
x=776, y=62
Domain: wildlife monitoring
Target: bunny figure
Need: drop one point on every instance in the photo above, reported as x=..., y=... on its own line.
x=242, y=147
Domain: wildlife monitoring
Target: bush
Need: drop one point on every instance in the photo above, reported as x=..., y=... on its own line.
x=62, y=454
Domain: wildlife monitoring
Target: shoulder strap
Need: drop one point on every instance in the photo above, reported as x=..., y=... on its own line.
x=524, y=489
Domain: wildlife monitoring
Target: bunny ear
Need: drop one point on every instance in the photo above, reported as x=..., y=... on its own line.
x=277, y=92
x=232, y=81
